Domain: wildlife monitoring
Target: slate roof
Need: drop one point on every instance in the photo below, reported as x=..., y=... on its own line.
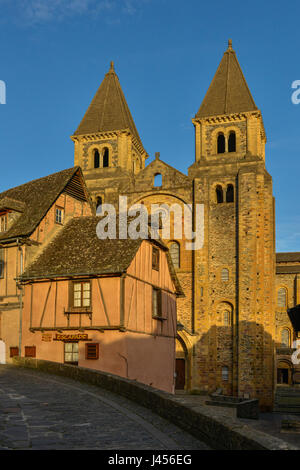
x=77, y=250
x=228, y=92
x=289, y=269
x=108, y=110
x=33, y=200
x=291, y=257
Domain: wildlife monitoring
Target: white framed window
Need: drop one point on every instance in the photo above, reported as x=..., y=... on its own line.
x=71, y=353
x=82, y=294
x=59, y=215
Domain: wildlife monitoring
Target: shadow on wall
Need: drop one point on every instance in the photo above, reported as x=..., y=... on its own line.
x=239, y=359
x=143, y=358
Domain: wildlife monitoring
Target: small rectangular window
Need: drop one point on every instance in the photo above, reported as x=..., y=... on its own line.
x=156, y=302
x=30, y=351
x=155, y=258
x=59, y=215
x=14, y=351
x=71, y=353
x=225, y=374
x=92, y=351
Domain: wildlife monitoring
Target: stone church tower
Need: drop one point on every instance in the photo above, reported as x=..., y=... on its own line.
x=107, y=144
x=226, y=321
x=234, y=313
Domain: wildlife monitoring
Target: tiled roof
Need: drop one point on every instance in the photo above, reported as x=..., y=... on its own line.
x=108, y=110
x=77, y=250
x=228, y=92
x=33, y=200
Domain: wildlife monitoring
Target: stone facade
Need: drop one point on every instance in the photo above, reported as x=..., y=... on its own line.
x=226, y=322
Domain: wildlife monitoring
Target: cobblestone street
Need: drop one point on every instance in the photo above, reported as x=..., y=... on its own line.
x=40, y=411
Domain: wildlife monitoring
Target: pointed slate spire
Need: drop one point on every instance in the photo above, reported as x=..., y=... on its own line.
x=228, y=92
x=108, y=110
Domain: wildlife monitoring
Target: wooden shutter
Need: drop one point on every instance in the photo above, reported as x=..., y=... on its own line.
x=159, y=303
x=30, y=351
x=14, y=351
x=92, y=351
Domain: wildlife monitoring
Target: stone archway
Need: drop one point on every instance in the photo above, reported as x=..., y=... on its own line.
x=284, y=372
x=182, y=365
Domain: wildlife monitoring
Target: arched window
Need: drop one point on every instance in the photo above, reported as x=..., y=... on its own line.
x=98, y=203
x=225, y=275
x=225, y=373
x=175, y=254
x=136, y=165
x=96, y=158
x=285, y=338
x=105, y=157
x=219, y=194
x=226, y=318
x=281, y=297
x=232, y=142
x=230, y=193
x=157, y=180
x=221, y=143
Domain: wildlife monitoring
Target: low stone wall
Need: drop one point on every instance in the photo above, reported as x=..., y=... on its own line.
x=218, y=432
x=244, y=408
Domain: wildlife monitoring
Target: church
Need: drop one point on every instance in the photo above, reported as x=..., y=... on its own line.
x=233, y=329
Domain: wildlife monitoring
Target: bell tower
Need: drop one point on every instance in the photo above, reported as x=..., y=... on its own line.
x=107, y=144
x=235, y=270
x=228, y=120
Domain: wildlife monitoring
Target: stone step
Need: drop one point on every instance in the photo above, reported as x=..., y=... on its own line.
x=287, y=410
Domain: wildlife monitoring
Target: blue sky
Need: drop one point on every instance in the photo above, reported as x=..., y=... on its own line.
x=54, y=54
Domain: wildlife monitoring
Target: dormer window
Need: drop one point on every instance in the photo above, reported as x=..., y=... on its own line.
x=59, y=215
x=3, y=222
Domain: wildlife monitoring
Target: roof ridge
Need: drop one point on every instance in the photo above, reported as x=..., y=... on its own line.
x=39, y=179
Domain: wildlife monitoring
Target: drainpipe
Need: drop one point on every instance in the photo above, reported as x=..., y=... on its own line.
x=21, y=297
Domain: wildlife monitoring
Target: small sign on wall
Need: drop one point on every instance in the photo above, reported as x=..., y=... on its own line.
x=75, y=337
x=46, y=337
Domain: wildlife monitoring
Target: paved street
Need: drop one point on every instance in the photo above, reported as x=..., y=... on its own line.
x=41, y=411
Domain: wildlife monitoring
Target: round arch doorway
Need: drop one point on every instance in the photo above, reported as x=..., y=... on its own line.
x=181, y=365
x=284, y=373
